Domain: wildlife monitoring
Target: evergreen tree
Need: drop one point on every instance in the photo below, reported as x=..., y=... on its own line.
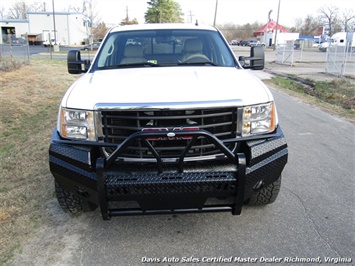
x=163, y=11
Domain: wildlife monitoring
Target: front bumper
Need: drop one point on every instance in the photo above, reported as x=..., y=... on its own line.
x=168, y=186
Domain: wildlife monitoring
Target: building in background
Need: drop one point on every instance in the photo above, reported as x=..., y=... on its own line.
x=70, y=28
x=9, y=29
x=267, y=34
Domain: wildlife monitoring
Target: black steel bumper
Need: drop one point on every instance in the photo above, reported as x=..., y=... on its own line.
x=168, y=186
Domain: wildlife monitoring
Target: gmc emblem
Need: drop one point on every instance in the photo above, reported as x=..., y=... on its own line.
x=170, y=135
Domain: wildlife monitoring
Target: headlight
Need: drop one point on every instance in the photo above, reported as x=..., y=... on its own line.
x=77, y=124
x=258, y=119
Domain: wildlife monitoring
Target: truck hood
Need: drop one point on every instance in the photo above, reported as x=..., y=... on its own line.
x=163, y=86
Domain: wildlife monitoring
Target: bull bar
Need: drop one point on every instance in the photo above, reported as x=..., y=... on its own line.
x=103, y=164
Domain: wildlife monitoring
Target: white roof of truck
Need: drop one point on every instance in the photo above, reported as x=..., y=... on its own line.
x=157, y=26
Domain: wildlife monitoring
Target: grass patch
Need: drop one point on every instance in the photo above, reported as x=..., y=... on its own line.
x=29, y=100
x=11, y=64
x=338, y=93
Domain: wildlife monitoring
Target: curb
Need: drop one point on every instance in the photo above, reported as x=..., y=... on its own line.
x=297, y=79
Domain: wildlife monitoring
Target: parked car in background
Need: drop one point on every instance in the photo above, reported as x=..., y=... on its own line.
x=316, y=44
x=243, y=43
x=323, y=46
x=18, y=41
x=48, y=43
x=252, y=43
x=297, y=44
x=94, y=46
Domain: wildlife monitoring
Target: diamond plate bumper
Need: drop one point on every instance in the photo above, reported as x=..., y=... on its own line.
x=168, y=186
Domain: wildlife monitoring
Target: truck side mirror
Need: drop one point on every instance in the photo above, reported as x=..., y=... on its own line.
x=256, y=59
x=75, y=64
x=241, y=60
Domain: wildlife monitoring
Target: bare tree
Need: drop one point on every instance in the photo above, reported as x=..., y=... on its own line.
x=246, y=31
x=88, y=10
x=330, y=16
x=348, y=18
x=37, y=7
x=2, y=12
x=18, y=10
x=229, y=31
x=91, y=18
x=352, y=26
x=298, y=23
x=310, y=26
x=74, y=9
x=92, y=21
x=99, y=31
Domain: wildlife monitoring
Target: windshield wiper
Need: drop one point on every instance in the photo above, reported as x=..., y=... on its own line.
x=204, y=63
x=141, y=64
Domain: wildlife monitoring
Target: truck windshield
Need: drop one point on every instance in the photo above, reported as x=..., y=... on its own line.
x=164, y=48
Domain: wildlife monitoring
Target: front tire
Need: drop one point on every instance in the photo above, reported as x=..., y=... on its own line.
x=71, y=202
x=265, y=195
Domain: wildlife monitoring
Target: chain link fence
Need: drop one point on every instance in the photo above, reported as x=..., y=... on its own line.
x=293, y=51
x=13, y=51
x=285, y=53
x=340, y=60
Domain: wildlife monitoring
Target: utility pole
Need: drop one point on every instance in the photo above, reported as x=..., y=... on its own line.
x=127, y=18
x=277, y=24
x=191, y=15
x=215, y=14
x=55, y=31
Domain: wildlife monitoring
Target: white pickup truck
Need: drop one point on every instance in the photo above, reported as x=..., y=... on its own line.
x=342, y=39
x=171, y=124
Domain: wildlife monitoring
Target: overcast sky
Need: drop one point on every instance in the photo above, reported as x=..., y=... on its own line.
x=229, y=11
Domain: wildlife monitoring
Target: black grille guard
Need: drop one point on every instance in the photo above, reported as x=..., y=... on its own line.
x=194, y=135
x=146, y=135
x=103, y=164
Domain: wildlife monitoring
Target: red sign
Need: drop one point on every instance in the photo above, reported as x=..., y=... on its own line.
x=320, y=30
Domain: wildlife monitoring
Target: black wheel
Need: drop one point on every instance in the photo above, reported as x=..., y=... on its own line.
x=71, y=202
x=266, y=195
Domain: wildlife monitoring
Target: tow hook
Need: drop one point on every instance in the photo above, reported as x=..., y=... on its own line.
x=258, y=185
